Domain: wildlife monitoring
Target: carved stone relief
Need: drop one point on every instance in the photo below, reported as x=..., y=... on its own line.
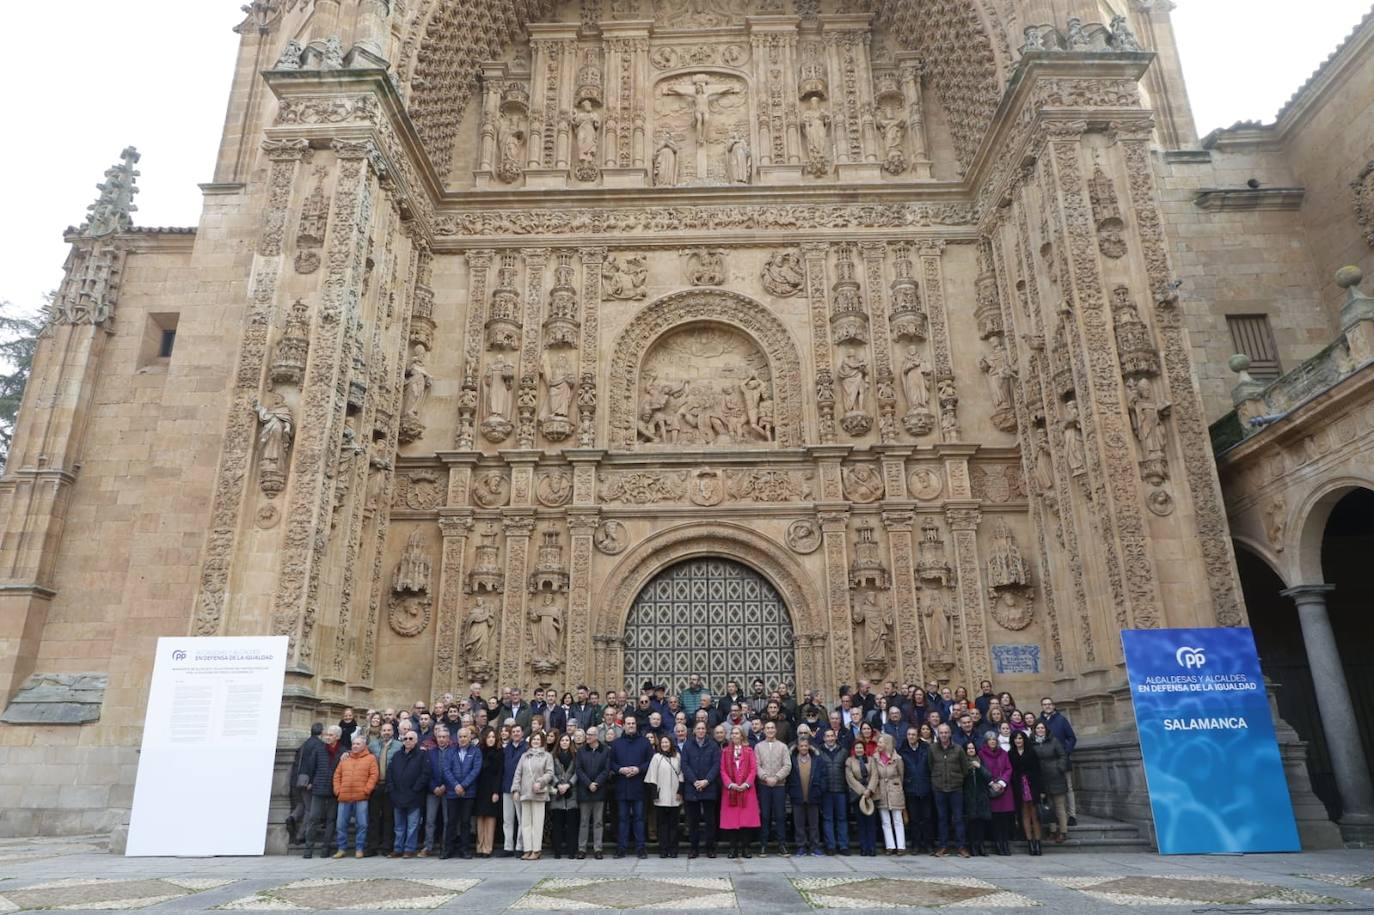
x=418, y=490
x=706, y=384
x=783, y=275
x=491, y=489
x=926, y=484
x=274, y=443
x=862, y=483
x=705, y=114
x=411, y=604
x=624, y=279
x=804, y=537
x=554, y=489
x=1009, y=580
x=611, y=537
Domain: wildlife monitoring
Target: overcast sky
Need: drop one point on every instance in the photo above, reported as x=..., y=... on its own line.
x=156, y=74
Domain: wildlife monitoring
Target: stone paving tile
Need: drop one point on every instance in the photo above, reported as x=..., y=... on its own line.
x=1353, y=881
x=20, y=850
x=1163, y=890
x=685, y=893
x=331, y=893
x=70, y=895
x=906, y=893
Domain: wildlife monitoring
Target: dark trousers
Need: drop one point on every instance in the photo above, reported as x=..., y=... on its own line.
x=1001, y=826
x=868, y=830
x=806, y=825
x=977, y=832
x=701, y=823
x=919, y=821
x=381, y=823
x=630, y=810
x=949, y=817
x=667, y=830
x=563, y=831
x=772, y=814
x=458, y=826
x=835, y=820
x=319, y=826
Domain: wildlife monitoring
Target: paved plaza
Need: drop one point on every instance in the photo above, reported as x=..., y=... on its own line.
x=77, y=874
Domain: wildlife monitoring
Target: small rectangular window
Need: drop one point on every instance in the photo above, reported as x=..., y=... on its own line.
x=1252, y=335
x=159, y=340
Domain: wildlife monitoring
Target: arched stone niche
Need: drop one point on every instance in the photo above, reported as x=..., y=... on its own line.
x=725, y=339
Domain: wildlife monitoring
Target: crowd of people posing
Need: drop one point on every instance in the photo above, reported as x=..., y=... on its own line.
x=930, y=770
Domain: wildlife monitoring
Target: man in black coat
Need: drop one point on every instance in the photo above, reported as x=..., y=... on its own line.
x=593, y=770
x=407, y=782
x=701, y=789
x=297, y=781
x=319, y=766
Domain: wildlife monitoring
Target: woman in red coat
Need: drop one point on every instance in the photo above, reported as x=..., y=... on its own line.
x=739, y=802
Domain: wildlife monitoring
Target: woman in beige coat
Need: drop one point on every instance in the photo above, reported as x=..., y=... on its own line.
x=530, y=786
x=891, y=798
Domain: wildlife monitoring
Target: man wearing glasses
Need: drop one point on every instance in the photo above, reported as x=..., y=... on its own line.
x=407, y=781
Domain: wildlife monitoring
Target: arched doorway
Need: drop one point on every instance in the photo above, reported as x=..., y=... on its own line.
x=710, y=616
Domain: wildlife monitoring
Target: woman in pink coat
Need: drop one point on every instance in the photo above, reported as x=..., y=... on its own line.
x=997, y=764
x=739, y=802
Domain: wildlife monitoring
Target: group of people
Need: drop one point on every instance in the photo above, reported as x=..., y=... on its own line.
x=929, y=769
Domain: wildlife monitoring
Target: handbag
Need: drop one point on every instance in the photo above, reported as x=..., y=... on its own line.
x=1045, y=812
x=996, y=787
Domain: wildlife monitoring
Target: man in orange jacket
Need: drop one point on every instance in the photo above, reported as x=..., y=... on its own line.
x=354, y=780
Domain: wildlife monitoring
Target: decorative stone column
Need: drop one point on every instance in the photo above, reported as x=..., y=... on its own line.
x=834, y=537
x=582, y=526
x=519, y=527
x=448, y=630
x=963, y=523
x=1337, y=711
x=815, y=254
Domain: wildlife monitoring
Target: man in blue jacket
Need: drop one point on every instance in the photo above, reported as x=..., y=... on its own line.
x=1060, y=727
x=835, y=801
x=916, y=785
x=701, y=789
x=462, y=765
x=630, y=757
x=510, y=808
x=436, y=801
x=407, y=779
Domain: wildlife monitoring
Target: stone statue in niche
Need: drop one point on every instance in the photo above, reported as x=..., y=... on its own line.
x=1001, y=379
x=547, y=634
x=1074, y=452
x=815, y=125
x=701, y=93
x=1147, y=421
x=586, y=123
x=1009, y=579
x=939, y=623
x=410, y=604
x=500, y=382
x=416, y=392
x=510, y=143
x=783, y=275
x=665, y=161
x=948, y=394
x=478, y=630
x=915, y=380
x=853, y=377
x=560, y=381
x=739, y=158
x=624, y=280
x=274, y=443
x=1044, y=462
x=706, y=267
x=705, y=385
x=892, y=128
x=874, y=623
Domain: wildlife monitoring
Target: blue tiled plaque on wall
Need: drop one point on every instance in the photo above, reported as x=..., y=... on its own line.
x=1016, y=659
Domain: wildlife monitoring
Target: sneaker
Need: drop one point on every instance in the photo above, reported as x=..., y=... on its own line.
x=817, y=853
x=423, y=853
x=799, y=853
x=338, y=854
x=763, y=851
x=357, y=854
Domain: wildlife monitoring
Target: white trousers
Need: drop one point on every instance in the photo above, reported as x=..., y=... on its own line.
x=532, y=824
x=510, y=824
x=893, y=829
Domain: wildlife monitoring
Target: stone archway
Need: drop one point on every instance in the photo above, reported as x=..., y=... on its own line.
x=723, y=308
x=721, y=541
x=709, y=616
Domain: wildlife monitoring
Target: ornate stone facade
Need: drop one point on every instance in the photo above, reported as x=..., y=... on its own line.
x=754, y=283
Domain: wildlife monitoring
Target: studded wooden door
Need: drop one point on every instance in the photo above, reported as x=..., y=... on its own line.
x=713, y=617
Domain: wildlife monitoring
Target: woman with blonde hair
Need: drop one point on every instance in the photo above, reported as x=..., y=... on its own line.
x=530, y=787
x=890, y=796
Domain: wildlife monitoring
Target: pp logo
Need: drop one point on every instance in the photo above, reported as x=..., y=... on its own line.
x=178, y=655
x=1190, y=658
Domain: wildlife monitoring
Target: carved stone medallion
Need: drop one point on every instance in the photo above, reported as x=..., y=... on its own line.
x=554, y=489
x=611, y=537
x=803, y=536
x=491, y=489
x=409, y=614
x=926, y=484
x=863, y=483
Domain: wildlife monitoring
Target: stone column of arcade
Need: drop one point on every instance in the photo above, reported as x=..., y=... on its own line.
x=1337, y=712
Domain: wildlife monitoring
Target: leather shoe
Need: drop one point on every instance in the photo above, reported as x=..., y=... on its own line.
x=964, y=853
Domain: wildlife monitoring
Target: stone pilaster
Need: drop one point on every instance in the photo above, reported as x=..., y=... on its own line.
x=519, y=526
x=815, y=254
x=581, y=526
x=479, y=266
x=589, y=371
x=874, y=254
x=834, y=542
x=448, y=625
x=536, y=260
x=963, y=524
x=933, y=279
x=902, y=550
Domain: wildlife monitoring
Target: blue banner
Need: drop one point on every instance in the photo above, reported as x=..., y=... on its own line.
x=1211, y=758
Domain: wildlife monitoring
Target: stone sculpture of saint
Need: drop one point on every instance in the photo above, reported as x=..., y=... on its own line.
x=665, y=161
x=274, y=440
x=853, y=375
x=816, y=130
x=1074, y=451
x=548, y=629
x=587, y=126
x=1000, y=376
x=873, y=626
x=1146, y=416
x=893, y=127
x=915, y=380
x=740, y=159
x=1044, y=463
x=938, y=626
x=500, y=378
x=560, y=381
x=481, y=625
x=418, y=383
